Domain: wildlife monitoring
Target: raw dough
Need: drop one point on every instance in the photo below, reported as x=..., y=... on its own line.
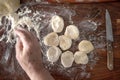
x=3, y=9
x=65, y=42
x=57, y=23
x=80, y=57
x=85, y=46
x=53, y=54
x=51, y=39
x=67, y=59
x=9, y=6
x=72, y=32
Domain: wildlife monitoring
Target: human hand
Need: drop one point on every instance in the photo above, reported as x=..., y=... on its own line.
x=28, y=51
x=28, y=54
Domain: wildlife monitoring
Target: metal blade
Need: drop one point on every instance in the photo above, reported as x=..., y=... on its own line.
x=109, y=32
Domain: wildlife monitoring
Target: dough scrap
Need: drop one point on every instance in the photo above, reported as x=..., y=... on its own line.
x=53, y=54
x=57, y=23
x=72, y=32
x=51, y=39
x=85, y=46
x=67, y=59
x=65, y=42
x=80, y=57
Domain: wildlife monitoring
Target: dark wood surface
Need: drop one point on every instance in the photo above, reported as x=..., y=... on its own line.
x=100, y=71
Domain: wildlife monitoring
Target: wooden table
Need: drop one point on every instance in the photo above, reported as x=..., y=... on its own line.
x=100, y=71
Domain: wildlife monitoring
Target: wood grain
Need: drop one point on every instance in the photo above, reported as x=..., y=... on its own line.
x=100, y=71
x=79, y=1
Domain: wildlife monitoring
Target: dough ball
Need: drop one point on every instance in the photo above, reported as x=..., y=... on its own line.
x=53, y=54
x=85, y=46
x=80, y=57
x=57, y=23
x=65, y=42
x=72, y=32
x=67, y=59
x=9, y=6
x=51, y=39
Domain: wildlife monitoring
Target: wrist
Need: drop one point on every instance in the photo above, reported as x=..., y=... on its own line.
x=37, y=74
x=42, y=74
x=34, y=69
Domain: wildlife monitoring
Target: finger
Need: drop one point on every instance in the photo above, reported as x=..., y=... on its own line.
x=24, y=36
x=19, y=46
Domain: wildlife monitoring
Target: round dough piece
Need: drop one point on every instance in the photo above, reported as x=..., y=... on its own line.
x=53, y=54
x=72, y=32
x=9, y=6
x=57, y=23
x=65, y=42
x=67, y=59
x=80, y=57
x=51, y=39
x=85, y=46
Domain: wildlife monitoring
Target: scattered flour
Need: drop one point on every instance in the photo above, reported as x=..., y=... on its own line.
x=35, y=24
x=13, y=21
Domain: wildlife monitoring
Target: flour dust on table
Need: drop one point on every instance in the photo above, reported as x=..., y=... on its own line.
x=59, y=36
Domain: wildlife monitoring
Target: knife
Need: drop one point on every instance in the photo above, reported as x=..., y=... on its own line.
x=109, y=36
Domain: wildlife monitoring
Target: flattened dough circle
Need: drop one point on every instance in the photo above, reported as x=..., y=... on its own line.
x=65, y=42
x=51, y=39
x=67, y=59
x=85, y=46
x=80, y=57
x=57, y=23
x=53, y=54
x=72, y=32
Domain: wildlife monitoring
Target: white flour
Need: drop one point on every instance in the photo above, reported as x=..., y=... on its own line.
x=38, y=23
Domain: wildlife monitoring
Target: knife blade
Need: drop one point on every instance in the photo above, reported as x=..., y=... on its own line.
x=109, y=37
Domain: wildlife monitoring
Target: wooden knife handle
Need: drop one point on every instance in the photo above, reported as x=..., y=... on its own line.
x=109, y=55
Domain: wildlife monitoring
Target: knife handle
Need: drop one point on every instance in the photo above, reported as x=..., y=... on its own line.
x=109, y=55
